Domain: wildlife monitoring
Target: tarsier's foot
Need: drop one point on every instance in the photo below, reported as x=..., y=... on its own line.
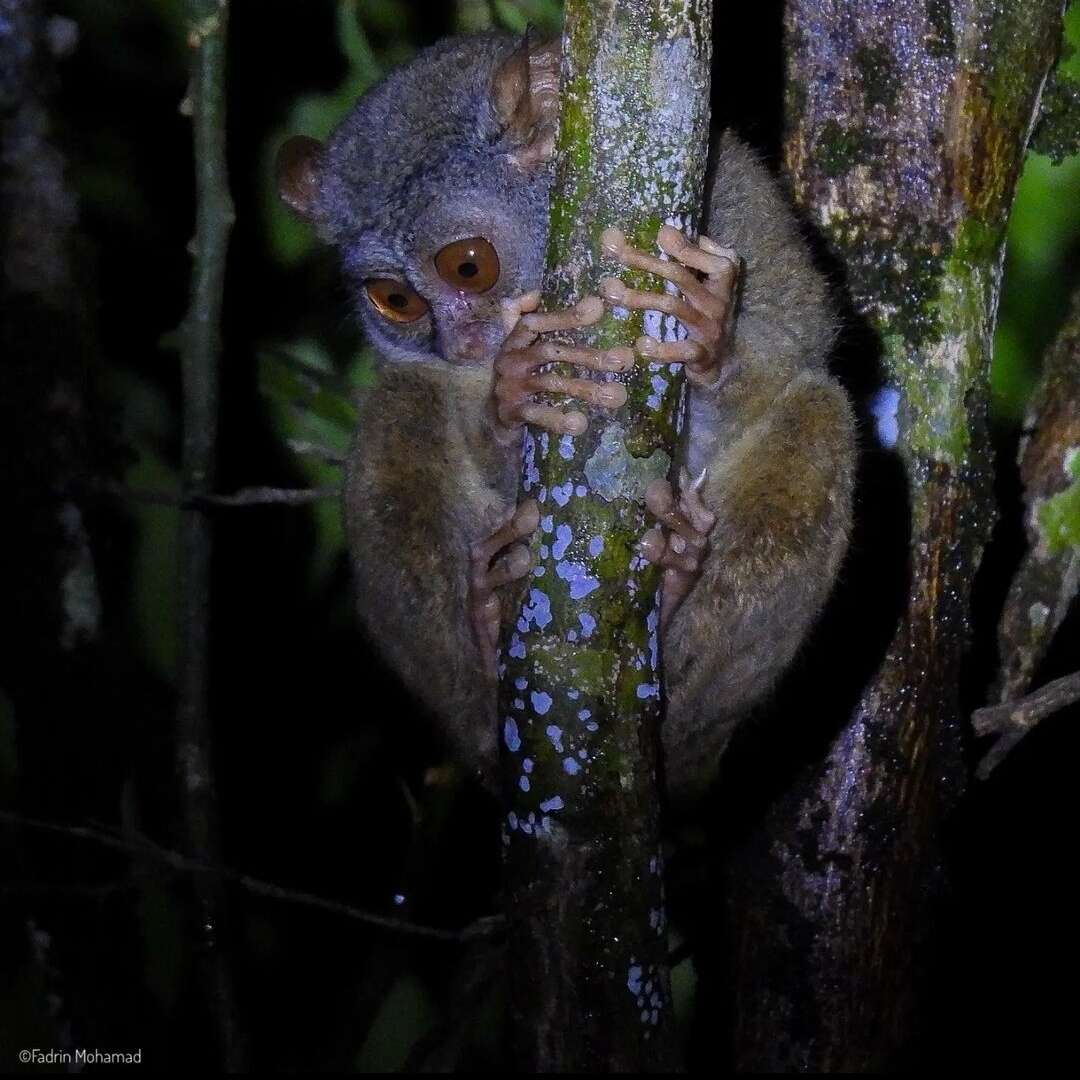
x=706, y=307
x=681, y=544
x=487, y=574
x=517, y=368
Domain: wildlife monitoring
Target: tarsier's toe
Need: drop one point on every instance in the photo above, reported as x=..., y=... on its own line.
x=682, y=541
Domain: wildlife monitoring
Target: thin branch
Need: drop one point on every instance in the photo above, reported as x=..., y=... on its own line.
x=249, y=496
x=325, y=454
x=200, y=335
x=483, y=929
x=271, y=496
x=1014, y=719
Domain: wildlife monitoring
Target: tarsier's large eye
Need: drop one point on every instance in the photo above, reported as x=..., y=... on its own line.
x=395, y=300
x=470, y=265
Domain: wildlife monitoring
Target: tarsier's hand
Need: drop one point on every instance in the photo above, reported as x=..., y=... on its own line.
x=517, y=368
x=680, y=545
x=706, y=307
x=493, y=562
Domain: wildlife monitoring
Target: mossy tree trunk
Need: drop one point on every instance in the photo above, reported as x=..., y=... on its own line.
x=907, y=127
x=580, y=679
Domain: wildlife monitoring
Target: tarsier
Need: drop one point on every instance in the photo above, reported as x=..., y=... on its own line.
x=434, y=190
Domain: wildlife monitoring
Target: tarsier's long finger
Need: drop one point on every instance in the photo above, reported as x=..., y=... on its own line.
x=673, y=352
x=513, y=566
x=584, y=313
x=513, y=307
x=485, y=617
x=613, y=242
x=521, y=524
x=691, y=503
x=661, y=503
x=618, y=359
x=673, y=589
x=720, y=265
x=543, y=416
x=665, y=551
x=606, y=395
x=519, y=363
x=696, y=323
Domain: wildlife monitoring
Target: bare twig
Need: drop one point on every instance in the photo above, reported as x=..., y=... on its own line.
x=250, y=496
x=1012, y=720
x=483, y=929
x=325, y=454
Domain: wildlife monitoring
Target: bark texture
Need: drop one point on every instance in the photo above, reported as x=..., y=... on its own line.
x=907, y=127
x=580, y=680
x=1048, y=578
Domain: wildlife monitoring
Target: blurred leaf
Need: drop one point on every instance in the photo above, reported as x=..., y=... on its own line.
x=310, y=403
x=545, y=15
x=300, y=377
x=406, y=1014
x=166, y=950
x=317, y=115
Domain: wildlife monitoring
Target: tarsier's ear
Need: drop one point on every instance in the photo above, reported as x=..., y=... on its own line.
x=525, y=95
x=299, y=167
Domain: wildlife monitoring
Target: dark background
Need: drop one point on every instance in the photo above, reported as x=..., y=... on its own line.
x=330, y=782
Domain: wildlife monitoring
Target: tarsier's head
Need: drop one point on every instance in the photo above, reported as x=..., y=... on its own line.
x=434, y=190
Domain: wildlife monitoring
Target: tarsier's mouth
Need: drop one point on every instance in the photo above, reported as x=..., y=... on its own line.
x=472, y=343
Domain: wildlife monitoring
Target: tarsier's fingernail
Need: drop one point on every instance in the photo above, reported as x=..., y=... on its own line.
x=612, y=289
x=621, y=359
x=591, y=308
x=696, y=485
x=575, y=423
x=612, y=241
x=646, y=346
x=678, y=543
x=713, y=248
x=613, y=396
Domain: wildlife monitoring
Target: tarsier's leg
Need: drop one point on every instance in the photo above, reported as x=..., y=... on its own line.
x=682, y=543
x=487, y=577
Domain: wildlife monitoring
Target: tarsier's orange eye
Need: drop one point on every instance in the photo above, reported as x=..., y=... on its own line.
x=394, y=300
x=470, y=265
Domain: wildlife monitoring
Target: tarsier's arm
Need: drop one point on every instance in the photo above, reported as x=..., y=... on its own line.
x=425, y=480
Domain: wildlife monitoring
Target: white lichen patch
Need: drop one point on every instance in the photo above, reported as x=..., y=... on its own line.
x=563, y=538
x=511, y=736
x=613, y=472
x=541, y=701
x=530, y=474
x=577, y=576
x=884, y=406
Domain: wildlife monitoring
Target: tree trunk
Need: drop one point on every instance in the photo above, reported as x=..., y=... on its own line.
x=907, y=127
x=580, y=683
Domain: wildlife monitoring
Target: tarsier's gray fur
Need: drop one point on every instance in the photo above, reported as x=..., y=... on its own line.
x=419, y=162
